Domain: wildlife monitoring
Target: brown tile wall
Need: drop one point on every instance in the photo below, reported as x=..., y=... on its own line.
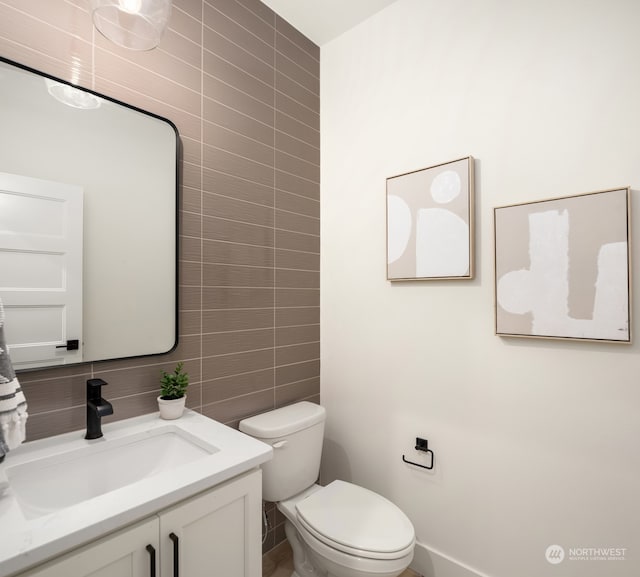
x=242, y=86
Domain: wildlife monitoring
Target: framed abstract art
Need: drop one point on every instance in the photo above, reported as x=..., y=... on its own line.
x=562, y=268
x=430, y=223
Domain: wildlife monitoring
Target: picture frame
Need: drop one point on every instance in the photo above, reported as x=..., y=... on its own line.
x=563, y=267
x=430, y=222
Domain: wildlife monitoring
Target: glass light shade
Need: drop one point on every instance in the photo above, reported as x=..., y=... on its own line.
x=72, y=96
x=133, y=24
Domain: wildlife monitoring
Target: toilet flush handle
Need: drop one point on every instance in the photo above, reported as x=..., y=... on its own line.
x=279, y=444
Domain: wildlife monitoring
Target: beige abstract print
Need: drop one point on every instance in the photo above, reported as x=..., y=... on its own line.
x=429, y=222
x=562, y=268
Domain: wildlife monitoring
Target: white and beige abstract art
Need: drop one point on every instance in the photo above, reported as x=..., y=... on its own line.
x=430, y=222
x=562, y=268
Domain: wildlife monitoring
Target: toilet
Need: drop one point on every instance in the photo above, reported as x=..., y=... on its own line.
x=340, y=530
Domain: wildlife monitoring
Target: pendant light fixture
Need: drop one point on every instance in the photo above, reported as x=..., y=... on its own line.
x=133, y=24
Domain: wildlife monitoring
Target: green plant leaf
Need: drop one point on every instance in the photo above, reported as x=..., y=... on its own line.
x=174, y=385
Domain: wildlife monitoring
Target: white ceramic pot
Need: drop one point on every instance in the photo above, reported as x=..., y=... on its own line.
x=172, y=408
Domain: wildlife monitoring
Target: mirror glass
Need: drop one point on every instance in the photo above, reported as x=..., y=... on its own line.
x=88, y=224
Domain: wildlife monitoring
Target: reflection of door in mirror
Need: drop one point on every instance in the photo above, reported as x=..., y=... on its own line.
x=126, y=162
x=41, y=270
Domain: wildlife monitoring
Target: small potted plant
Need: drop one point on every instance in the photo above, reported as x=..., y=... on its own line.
x=173, y=387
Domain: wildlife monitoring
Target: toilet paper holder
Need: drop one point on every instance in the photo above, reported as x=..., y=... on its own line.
x=422, y=445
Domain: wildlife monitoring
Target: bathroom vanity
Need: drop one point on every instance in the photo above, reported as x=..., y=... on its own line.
x=151, y=498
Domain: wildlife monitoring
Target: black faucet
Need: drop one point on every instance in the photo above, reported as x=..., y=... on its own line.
x=97, y=408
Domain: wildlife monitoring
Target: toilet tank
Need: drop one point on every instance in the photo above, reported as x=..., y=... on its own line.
x=295, y=432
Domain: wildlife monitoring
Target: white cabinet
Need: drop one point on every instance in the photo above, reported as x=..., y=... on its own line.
x=122, y=554
x=217, y=534
x=214, y=534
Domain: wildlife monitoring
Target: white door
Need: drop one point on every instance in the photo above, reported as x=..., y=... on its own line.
x=41, y=270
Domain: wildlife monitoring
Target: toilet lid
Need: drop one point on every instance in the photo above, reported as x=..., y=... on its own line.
x=349, y=517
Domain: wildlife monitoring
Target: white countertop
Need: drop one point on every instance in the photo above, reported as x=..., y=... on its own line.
x=26, y=542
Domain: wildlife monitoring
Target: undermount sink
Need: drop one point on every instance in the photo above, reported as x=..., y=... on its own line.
x=52, y=483
x=61, y=492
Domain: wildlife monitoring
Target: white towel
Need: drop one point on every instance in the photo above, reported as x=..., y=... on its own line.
x=13, y=405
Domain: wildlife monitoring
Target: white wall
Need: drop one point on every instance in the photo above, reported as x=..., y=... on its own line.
x=536, y=441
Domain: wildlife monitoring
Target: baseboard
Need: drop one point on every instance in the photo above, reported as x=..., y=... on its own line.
x=431, y=563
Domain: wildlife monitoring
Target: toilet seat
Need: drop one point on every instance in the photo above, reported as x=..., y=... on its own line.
x=356, y=521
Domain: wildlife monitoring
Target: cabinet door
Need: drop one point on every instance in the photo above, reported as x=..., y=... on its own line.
x=215, y=534
x=123, y=554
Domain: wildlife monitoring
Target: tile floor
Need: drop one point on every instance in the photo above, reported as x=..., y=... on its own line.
x=279, y=563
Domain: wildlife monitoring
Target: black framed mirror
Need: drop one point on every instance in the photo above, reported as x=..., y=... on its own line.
x=88, y=223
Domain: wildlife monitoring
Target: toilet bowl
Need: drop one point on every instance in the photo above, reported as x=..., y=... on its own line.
x=348, y=531
x=340, y=530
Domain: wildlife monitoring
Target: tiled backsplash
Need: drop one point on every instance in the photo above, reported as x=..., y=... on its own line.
x=242, y=86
